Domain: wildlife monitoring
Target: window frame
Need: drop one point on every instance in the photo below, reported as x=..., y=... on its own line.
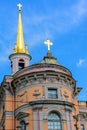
x=83, y=127
x=52, y=93
x=54, y=123
x=23, y=125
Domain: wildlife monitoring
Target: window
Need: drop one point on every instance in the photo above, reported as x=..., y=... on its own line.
x=82, y=127
x=52, y=93
x=54, y=122
x=21, y=64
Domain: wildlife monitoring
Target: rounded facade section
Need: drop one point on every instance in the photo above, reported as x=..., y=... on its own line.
x=45, y=81
x=44, y=89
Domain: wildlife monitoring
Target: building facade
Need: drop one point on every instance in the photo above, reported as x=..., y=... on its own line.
x=41, y=96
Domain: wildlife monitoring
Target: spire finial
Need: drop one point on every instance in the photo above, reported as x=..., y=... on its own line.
x=19, y=6
x=48, y=43
x=19, y=46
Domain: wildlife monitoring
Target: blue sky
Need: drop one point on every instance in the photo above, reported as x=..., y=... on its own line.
x=63, y=22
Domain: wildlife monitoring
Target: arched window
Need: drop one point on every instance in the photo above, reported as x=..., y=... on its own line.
x=23, y=125
x=82, y=127
x=21, y=64
x=54, y=121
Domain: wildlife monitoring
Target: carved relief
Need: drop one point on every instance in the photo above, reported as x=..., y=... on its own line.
x=36, y=93
x=66, y=95
x=22, y=98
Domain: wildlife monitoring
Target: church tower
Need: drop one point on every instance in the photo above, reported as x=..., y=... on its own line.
x=20, y=57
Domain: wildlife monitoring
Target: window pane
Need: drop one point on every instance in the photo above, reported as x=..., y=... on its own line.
x=54, y=122
x=82, y=127
x=52, y=93
x=23, y=125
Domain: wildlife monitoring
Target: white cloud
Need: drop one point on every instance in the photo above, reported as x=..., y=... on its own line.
x=78, y=11
x=4, y=53
x=81, y=62
x=43, y=26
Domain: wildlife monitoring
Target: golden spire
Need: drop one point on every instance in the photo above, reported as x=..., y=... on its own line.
x=19, y=46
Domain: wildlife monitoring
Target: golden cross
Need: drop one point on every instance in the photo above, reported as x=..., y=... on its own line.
x=48, y=43
x=19, y=6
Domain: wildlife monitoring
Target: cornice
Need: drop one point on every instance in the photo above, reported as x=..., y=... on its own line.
x=53, y=102
x=42, y=67
x=41, y=78
x=41, y=103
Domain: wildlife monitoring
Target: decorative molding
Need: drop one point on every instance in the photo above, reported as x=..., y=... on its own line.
x=21, y=115
x=36, y=93
x=35, y=79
